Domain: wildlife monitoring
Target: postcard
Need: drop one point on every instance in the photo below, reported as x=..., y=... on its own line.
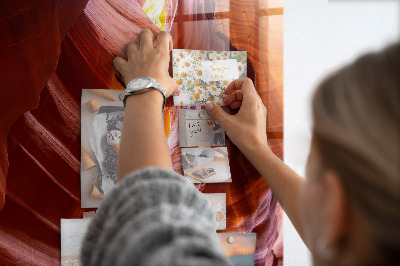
x=102, y=115
x=72, y=233
x=197, y=128
x=204, y=75
x=218, y=201
x=239, y=247
x=206, y=165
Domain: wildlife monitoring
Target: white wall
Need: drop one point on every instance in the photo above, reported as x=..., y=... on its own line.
x=321, y=36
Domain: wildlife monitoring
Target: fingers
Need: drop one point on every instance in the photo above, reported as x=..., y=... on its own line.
x=218, y=113
x=131, y=48
x=164, y=40
x=146, y=40
x=236, y=96
x=236, y=105
x=245, y=85
x=119, y=62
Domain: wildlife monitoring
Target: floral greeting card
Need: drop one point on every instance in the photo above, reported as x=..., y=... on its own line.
x=204, y=75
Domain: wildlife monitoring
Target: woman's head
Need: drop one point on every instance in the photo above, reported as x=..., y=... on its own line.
x=352, y=193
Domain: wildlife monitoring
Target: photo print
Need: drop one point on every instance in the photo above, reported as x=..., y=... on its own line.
x=102, y=115
x=206, y=165
x=218, y=201
x=197, y=128
x=72, y=233
x=239, y=247
x=204, y=75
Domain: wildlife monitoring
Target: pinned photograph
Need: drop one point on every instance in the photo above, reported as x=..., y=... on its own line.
x=206, y=165
x=102, y=115
x=218, y=201
x=72, y=233
x=197, y=128
x=239, y=247
x=204, y=75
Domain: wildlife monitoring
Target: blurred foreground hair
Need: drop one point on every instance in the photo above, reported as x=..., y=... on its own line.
x=356, y=113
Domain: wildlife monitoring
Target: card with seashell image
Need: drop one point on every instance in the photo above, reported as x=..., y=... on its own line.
x=218, y=201
x=203, y=75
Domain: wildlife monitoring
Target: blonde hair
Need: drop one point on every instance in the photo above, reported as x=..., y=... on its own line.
x=356, y=114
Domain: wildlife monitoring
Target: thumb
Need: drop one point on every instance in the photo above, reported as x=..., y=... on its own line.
x=218, y=113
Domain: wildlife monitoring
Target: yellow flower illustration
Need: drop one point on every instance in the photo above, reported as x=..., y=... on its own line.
x=201, y=51
x=181, y=103
x=199, y=73
x=199, y=91
x=183, y=75
x=179, y=82
x=214, y=88
x=196, y=84
x=196, y=96
x=225, y=82
x=187, y=64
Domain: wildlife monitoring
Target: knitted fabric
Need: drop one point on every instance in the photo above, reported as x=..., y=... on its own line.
x=153, y=217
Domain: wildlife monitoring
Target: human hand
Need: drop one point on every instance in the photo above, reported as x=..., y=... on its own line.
x=149, y=59
x=247, y=129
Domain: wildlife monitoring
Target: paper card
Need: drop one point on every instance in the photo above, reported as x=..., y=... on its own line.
x=101, y=115
x=204, y=75
x=202, y=165
x=218, y=201
x=72, y=233
x=239, y=247
x=88, y=215
x=155, y=10
x=197, y=128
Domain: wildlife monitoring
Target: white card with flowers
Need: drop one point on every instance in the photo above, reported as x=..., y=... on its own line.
x=203, y=75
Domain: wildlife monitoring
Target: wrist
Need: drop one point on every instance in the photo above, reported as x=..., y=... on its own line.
x=257, y=148
x=152, y=99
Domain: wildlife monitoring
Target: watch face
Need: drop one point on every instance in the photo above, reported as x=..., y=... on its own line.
x=140, y=83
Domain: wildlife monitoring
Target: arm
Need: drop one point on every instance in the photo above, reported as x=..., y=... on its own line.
x=222, y=152
x=192, y=164
x=247, y=130
x=143, y=141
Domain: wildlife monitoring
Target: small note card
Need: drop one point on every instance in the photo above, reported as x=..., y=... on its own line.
x=204, y=75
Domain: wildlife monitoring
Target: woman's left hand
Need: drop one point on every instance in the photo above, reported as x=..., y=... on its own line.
x=149, y=59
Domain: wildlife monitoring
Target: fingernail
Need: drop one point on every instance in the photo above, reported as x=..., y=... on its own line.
x=209, y=106
x=179, y=90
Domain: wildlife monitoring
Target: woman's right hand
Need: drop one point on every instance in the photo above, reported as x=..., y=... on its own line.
x=247, y=128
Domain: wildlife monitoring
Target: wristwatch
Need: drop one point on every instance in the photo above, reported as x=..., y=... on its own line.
x=141, y=84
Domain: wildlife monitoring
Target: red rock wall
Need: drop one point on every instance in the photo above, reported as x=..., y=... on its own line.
x=49, y=51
